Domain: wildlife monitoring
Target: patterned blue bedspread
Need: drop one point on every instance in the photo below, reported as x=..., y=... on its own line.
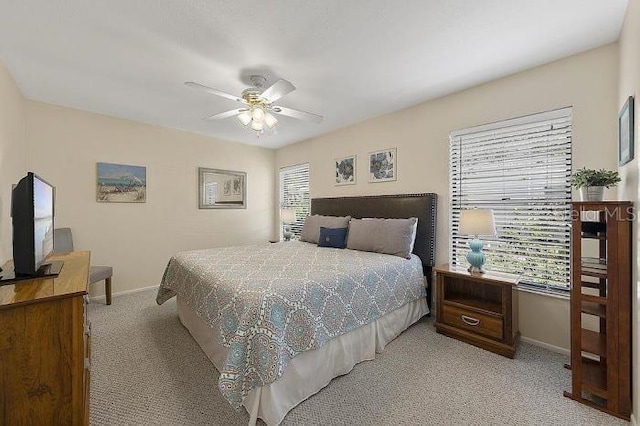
x=272, y=302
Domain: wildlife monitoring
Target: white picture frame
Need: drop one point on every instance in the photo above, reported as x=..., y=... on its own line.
x=383, y=165
x=345, y=172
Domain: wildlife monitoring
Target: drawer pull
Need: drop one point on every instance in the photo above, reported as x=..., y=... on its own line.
x=470, y=321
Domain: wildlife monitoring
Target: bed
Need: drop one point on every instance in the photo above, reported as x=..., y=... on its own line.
x=280, y=321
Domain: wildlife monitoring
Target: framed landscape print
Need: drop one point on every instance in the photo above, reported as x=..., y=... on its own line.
x=346, y=170
x=382, y=165
x=121, y=183
x=222, y=189
x=625, y=133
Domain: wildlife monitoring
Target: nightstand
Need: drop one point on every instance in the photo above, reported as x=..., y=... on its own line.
x=481, y=309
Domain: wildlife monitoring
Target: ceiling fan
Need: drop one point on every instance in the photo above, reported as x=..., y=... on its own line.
x=258, y=108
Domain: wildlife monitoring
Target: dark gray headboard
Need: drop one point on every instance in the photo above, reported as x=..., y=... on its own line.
x=422, y=206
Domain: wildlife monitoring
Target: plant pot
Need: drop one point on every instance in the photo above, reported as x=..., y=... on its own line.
x=591, y=193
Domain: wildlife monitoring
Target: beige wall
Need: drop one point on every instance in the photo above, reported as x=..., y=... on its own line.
x=628, y=189
x=12, y=153
x=64, y=146
x=588, y=82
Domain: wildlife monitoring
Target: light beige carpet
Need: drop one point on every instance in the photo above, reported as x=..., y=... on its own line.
x=147, y=370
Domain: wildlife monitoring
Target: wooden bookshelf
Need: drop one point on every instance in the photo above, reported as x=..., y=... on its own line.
x=601, y=288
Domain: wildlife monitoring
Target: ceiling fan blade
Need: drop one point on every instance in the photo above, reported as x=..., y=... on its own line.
x=299, y=114
x=208, y=89
x=225, y=114
x=277, y=90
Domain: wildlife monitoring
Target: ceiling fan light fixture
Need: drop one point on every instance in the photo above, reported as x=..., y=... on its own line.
x=244, y=118
x=270, y=120
x=257, y=111
x=258, y=114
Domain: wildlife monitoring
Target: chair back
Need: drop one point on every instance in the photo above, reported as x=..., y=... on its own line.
x=62, y=240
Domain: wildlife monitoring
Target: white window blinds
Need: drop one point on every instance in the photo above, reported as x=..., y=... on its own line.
x=294, y=192
x=520, y=168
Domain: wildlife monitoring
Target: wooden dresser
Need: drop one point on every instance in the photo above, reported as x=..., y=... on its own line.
x=45, y=347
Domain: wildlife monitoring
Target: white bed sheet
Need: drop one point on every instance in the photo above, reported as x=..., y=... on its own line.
x=310, y=371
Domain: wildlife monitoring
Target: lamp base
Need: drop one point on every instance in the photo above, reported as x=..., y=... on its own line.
x=475, y=257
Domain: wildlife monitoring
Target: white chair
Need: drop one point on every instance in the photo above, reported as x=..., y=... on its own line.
x=63, y=243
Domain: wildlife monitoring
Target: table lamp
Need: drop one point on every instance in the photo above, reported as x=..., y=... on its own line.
x=476, y=222
x=288, y=217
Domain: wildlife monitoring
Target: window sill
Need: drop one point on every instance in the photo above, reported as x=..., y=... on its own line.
x=544, y=293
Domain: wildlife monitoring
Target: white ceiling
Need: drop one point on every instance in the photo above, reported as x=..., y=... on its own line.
x=350, y=60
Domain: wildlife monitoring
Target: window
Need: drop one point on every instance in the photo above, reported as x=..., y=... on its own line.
x=294, y=192
x=520, y=168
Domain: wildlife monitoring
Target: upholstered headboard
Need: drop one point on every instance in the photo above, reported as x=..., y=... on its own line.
x=422, y=206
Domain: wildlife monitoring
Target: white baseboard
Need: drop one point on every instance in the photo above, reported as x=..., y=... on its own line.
x=120, y=293
x=552, y=348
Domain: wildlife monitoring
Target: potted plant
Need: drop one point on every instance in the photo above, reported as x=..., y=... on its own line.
x=591, y=183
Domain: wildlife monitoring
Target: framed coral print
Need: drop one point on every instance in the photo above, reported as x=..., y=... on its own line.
x=346, y=170
x=625, y=133
x=382, y=165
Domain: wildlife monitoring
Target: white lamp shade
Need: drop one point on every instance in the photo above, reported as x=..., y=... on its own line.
x=477, y=222
x=270, y=120
x=288, y=215
x=257, y=125
x=244, y=118
x=258, y=114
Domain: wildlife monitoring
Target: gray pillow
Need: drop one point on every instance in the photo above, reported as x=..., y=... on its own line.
x=312, y=224
x=388, y=236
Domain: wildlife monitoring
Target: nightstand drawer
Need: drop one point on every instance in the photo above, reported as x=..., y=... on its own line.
x=474, y=322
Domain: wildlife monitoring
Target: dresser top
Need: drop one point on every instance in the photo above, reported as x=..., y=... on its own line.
x=72, y=281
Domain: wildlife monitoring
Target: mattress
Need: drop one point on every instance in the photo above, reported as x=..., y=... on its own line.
x=310, y=371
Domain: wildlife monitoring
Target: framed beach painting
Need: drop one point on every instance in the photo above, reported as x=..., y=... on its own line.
x=121, y=183
x=222, y=189
x=346, y=170
x=382, y=165
x=625, y=133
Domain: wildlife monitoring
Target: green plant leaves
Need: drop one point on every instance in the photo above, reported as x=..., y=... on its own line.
x=590, y=177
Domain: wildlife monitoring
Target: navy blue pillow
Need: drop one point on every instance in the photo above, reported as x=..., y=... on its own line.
x=332, y=237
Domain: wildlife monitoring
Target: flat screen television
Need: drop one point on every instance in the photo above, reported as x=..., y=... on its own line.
x=32, y=212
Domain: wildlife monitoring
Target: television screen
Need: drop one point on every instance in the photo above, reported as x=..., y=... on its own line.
x=42, y=219
x=32, y=211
